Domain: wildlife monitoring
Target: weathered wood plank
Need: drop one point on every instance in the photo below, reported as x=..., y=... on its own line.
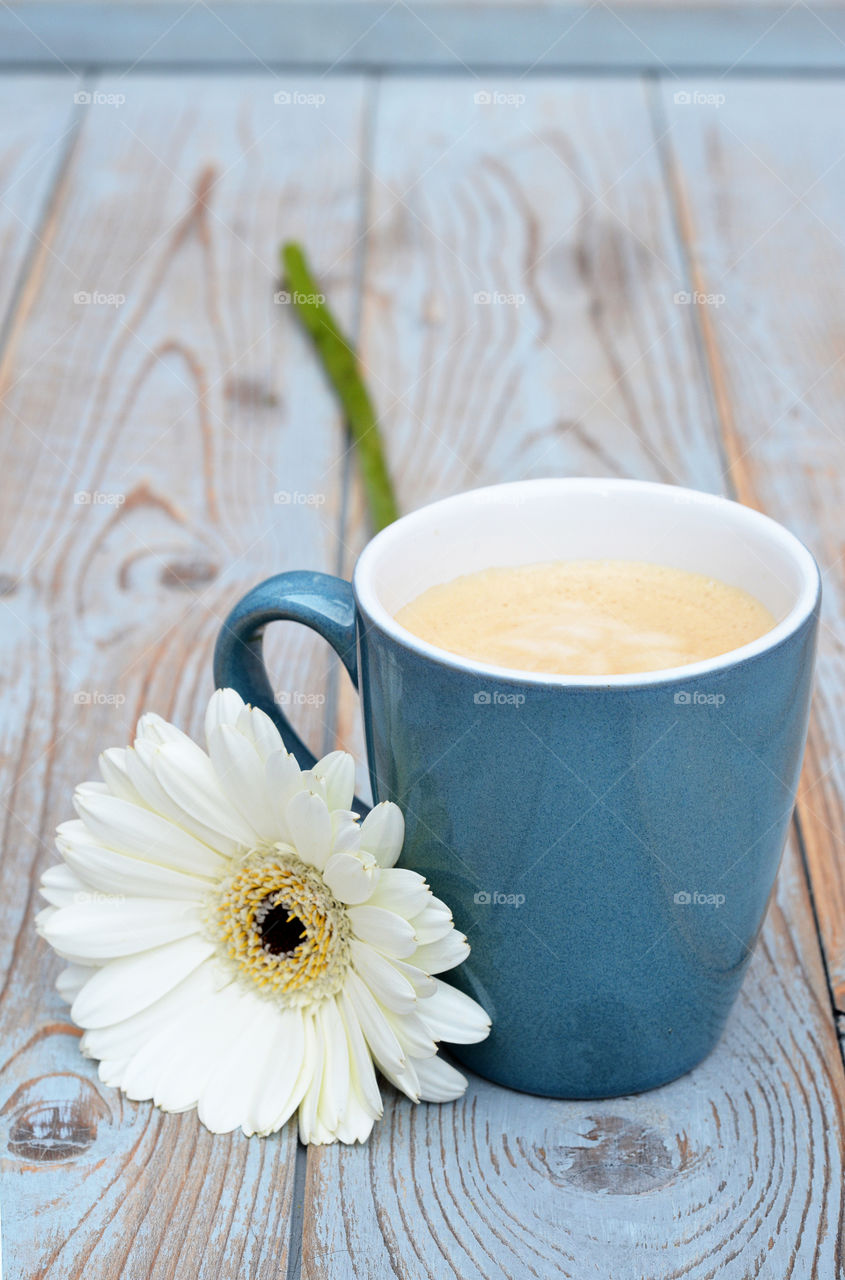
x=36, y=131
x=179, y=412
x=547, y=202
x=733, y=1170
x=760, y=188
x=736, y=1169
x=484, y=35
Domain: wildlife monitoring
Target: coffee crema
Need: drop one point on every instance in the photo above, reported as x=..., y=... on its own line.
x=586, y=617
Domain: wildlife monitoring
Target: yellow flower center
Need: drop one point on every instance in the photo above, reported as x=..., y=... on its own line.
x=278, y=924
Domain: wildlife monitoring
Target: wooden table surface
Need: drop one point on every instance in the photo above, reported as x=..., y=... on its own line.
x=665, y=282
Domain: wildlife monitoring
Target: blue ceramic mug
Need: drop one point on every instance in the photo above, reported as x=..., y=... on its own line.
x=608, y=844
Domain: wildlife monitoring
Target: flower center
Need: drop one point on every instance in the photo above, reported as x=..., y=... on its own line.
x=277, y=923
x=280, y=932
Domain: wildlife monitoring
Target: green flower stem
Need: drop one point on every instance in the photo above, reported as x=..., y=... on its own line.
x=341, y=366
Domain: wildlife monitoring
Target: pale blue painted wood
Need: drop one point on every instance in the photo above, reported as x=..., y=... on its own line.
x=555, y=206
x=38, y=118
x=194, y=401
x=451, y=37
x=760, y=177
x=561, y=198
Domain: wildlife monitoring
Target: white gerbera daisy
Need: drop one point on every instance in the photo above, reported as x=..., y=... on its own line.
x=240, y=942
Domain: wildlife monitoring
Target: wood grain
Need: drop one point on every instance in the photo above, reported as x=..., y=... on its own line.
x=146, y=443
x=735, y=1169
x=519, y=317
x=662, y=36
x=732, y=1171
x=37, y=119
x=761, y=197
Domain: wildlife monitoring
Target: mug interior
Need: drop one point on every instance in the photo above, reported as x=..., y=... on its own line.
x=583, y=519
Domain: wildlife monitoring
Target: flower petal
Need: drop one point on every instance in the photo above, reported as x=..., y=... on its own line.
x=139, y=1062
x=125, y=986
x=190, y=779
x=388, y=986
x=283, y=779
x=310, y=828
x=109, y=871
x=71, y=981
x=439, y=1081
x=357, y=1121
x=273, y=1101
x=360, y=1058
x=259, y=728
x=337, y=770
x=385, y=930
x=384, y=1046
x=60, y=886
x=413, y=1035
x=334, y=1089
x=382, y=833
x=121, y=1040
x=349, y=877
x=432, y=923
x=346, y=833
x=194, y=1051
x=451, y=1015
x=399, y=889
x=113, y=767
x=423, y=984
x=154, y=729
x=143, y=834
x=310, y=1130
x=445, y=953
x=224, y=707
x=113, y=926
x=240, y=770
x=225, y=1099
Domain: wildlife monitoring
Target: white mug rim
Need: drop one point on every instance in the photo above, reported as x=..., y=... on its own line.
x=377, y=615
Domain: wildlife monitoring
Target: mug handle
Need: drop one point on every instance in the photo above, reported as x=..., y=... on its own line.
x=317, y=600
